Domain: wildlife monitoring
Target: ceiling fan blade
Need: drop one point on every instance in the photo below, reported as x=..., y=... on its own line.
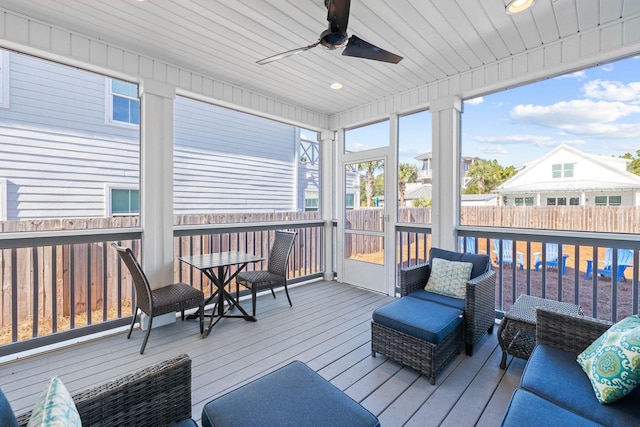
x=287, y=54
x=362, y=49
x=338, y=15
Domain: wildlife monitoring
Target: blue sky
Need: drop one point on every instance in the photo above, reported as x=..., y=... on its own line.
x=595, y=110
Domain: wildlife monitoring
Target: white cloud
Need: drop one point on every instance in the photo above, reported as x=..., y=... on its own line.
x=494, y=149
x=474, y=101
x=537, y=140
x=612, y=90
x=569, y=116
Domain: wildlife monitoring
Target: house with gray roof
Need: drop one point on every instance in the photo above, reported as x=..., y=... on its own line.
x=568, y=176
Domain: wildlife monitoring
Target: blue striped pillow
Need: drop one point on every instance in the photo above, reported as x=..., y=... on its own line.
x=55, y=407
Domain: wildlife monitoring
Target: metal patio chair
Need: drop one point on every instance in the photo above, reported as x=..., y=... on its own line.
x=155, y=302
x=276, y=272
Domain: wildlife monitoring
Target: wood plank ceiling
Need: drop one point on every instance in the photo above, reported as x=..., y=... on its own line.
x=223, y=39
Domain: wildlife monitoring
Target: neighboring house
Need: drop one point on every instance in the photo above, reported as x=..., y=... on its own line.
x=478, y=199
x=425, y=169
x=567, y=176
x=416, y=191
x=81, y=129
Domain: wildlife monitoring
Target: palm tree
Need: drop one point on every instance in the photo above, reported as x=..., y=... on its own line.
x=369, y=167
x=406, y=173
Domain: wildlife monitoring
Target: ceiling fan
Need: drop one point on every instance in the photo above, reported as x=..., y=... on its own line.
x=336, y=37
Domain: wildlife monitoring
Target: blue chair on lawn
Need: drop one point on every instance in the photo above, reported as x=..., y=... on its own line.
x=507, y=253
x=625, y=256
x=551, y=257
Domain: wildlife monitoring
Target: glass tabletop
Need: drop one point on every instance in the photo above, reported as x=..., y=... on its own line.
x=219, y=259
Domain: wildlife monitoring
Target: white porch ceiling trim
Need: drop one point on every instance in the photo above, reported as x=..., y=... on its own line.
x=602, y=44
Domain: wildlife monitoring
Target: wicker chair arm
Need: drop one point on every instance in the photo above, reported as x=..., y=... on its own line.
x=159, y=395
x=480, y=305
x=413, y=278
x=568, y=332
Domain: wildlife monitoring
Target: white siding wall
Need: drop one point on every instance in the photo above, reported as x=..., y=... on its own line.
x=56, y=152
x=225, y=161
x=58, y=156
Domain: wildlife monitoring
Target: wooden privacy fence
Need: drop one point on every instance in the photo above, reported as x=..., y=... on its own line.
x=72, y=285
x=602, y=219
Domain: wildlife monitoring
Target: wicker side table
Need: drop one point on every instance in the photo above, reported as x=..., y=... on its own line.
x=517, y=331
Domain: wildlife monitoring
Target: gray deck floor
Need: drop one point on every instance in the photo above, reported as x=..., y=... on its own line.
x=328, y=328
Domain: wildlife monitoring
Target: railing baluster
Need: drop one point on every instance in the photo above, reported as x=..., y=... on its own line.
x=34, y=280
x=54, y=289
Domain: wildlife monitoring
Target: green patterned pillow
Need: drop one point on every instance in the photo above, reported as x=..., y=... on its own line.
x=55, y=407
x=449, y=277
x=612, y=362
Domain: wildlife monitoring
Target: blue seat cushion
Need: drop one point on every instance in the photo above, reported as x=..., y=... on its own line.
x=438, y=298
x=481, y=263
x=421, y=319
x=529, y=410
x=555, y=375
x=291, y=396
x=7, y=417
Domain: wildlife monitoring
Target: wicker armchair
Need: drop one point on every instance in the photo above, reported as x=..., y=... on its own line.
x=157, y=396
x=276, y=272
x=156, y=302
x=479, y=311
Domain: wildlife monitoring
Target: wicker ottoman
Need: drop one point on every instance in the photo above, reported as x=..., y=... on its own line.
x=292, y=396
x=423, y=335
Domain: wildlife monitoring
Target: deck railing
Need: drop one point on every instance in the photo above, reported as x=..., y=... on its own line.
x=306, y=261
x=605, y=295
x=60, y=285
x=57, y=285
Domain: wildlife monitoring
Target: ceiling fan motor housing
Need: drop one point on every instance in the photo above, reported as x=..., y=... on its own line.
x=333, y=39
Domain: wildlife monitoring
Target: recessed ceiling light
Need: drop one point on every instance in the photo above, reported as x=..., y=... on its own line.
x=336, y=86
x=517, y=6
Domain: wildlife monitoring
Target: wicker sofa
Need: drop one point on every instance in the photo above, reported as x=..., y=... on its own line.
x=408, y=345
x=159, y=395
x=554, y=391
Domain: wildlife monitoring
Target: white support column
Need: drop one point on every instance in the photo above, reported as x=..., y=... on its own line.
x=327, y=199
x=445, y=115
x=391, y=205
x=156, y=181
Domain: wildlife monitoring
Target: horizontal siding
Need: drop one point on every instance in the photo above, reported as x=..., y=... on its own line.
x=56, y=151
x=230, y=161
x=58, y=155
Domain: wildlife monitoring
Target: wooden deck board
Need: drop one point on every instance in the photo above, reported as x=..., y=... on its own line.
x=328, y=328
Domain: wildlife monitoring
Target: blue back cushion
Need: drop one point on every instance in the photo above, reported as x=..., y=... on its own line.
x=7, y=417
x=481, y=263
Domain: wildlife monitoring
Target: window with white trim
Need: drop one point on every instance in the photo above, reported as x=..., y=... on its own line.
x=124, y=201
x=311, y=201
x=562, y=170
x=350, y=201
x=123, y=104
x=3, y=199
x=608, y=200
x=4, y=79
x=524, y=201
